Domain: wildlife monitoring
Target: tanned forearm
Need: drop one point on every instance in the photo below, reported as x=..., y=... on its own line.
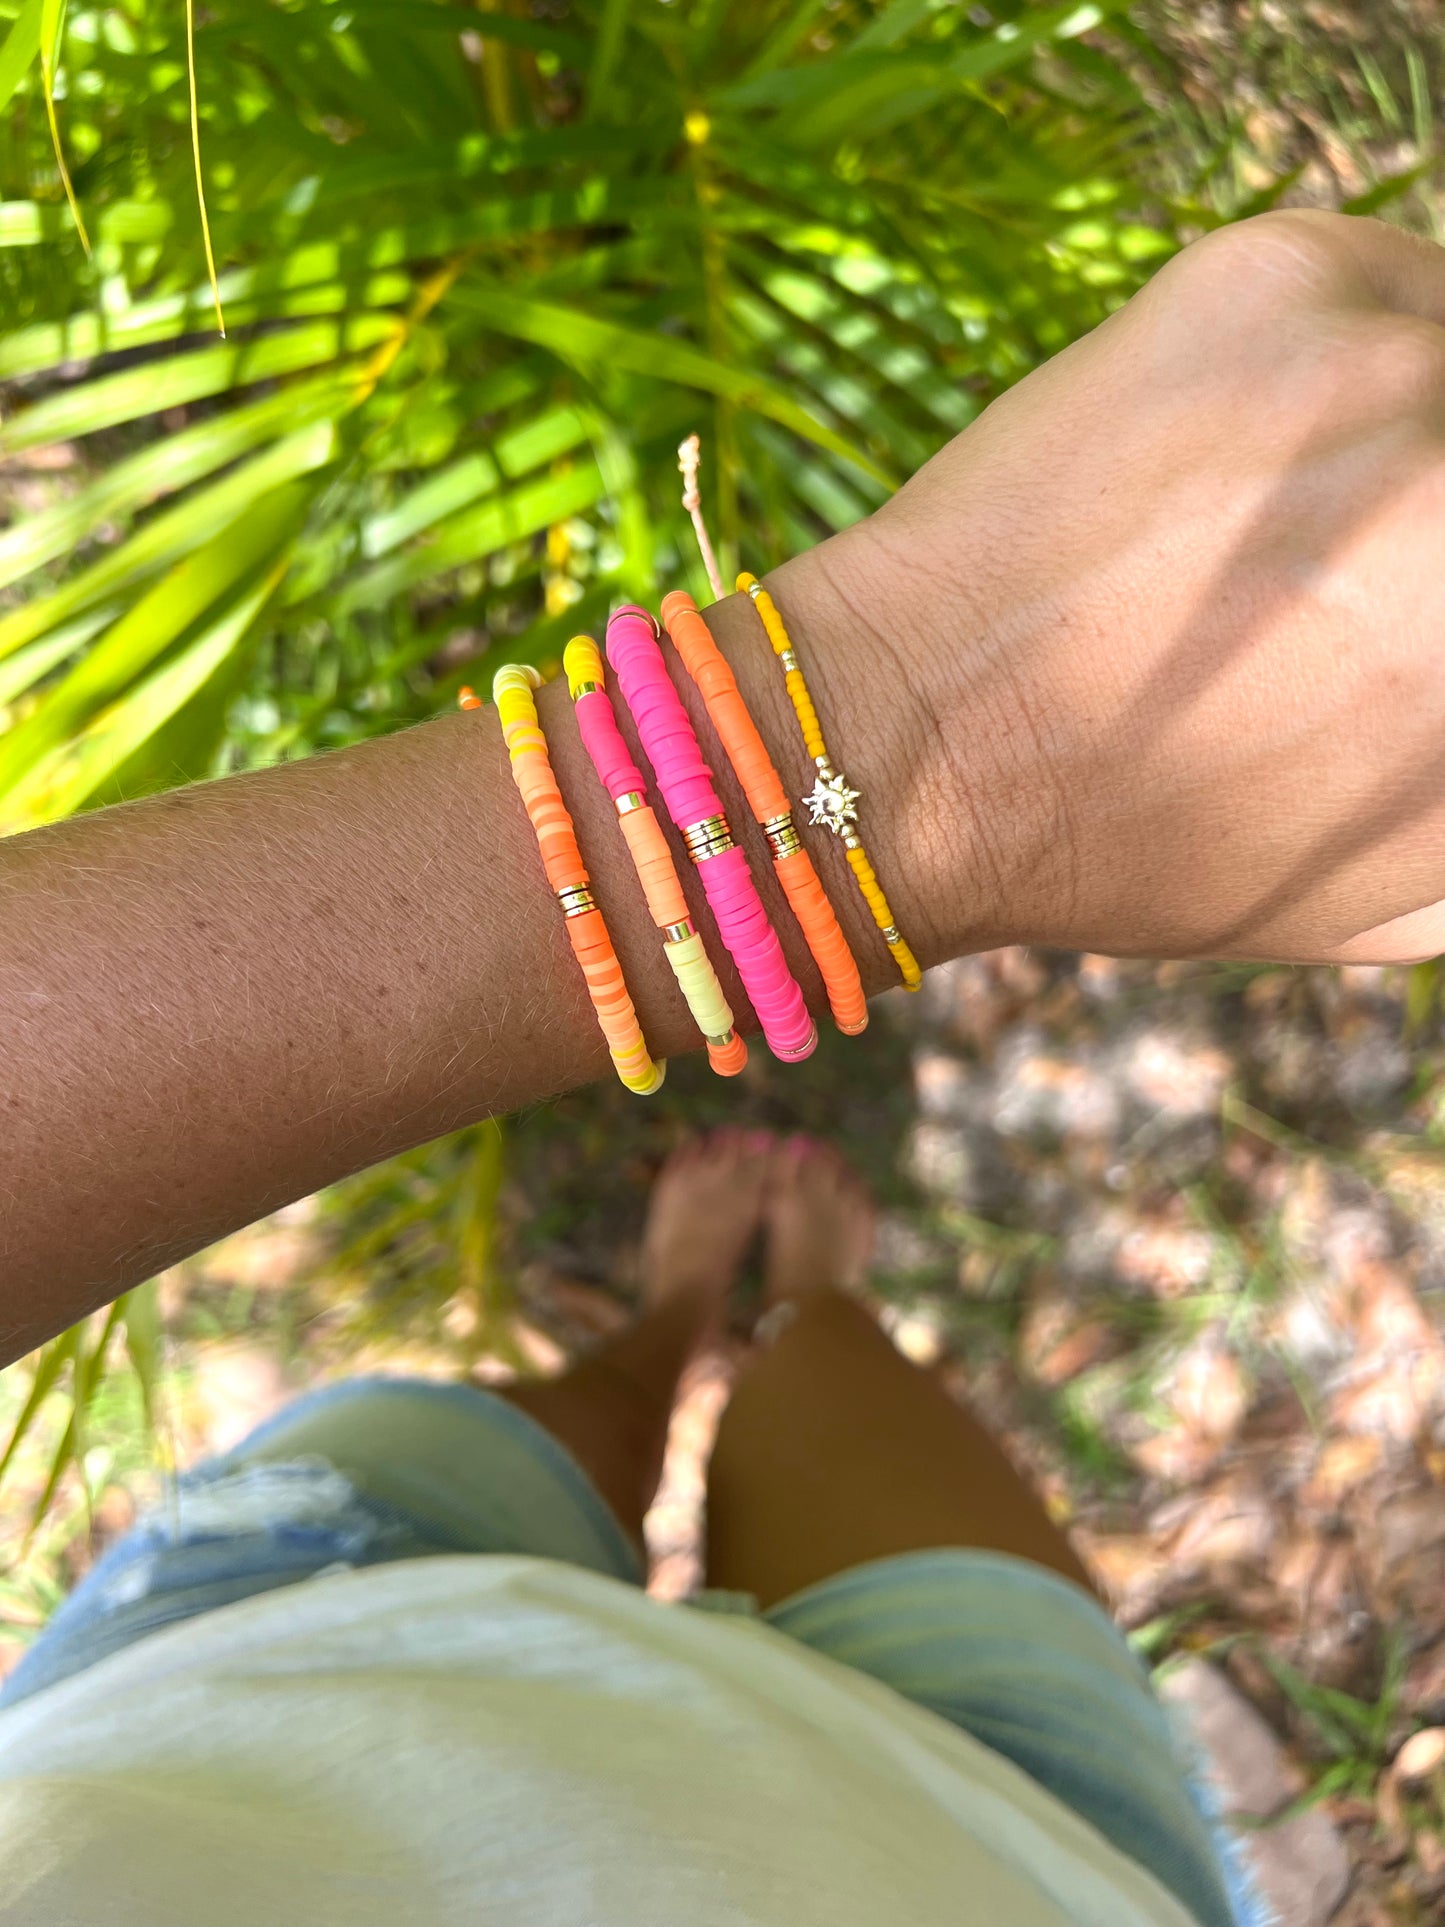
x=218, y=999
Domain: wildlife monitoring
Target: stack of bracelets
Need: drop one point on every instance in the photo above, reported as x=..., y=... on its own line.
x=634, y=653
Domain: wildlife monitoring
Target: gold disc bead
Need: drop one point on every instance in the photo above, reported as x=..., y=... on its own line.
x=708, y=838
x=575, y=900
x=782, y=835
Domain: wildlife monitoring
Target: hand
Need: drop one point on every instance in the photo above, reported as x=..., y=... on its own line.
x=1174, y=613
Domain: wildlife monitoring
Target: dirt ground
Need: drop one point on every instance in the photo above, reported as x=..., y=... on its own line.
x=1179, y=1233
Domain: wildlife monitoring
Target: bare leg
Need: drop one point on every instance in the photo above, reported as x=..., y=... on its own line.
x=835, y=1449
x=611, y=1411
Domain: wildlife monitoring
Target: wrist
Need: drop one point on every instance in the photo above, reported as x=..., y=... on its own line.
x=842, y=680
x=890, y=688
x=897, y=666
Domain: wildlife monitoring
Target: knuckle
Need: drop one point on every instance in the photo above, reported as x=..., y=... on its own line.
x=1398, y=358
x=1287, y=251
x=1419, y=473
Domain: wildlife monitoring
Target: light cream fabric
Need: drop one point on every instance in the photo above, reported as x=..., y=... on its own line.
x=480, y=1741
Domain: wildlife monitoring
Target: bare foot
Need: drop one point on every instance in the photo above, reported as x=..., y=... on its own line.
x=819, y=1223
x=706, y=1208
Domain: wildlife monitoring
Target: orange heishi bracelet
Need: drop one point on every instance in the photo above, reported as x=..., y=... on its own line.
x=768, y=802
x=512, y=688
x=651, y=857
x=831, y=803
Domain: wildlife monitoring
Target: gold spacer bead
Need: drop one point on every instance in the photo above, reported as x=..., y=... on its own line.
x=576, y=900
x=788, y=660
x=707, y=830
x=708, y=838
x=586, y=689
x=891, y=933
x=755, y=589
x=851, y=840
x=782, y=834
x=726, y=1038
x=629, y=801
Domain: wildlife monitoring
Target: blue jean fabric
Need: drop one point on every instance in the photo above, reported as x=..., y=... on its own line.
x=373, y=1470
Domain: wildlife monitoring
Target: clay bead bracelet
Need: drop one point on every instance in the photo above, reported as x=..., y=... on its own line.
x=651, y=857
x=768, y=801
x=692, y=802
x=831, y=803
x=512, y=688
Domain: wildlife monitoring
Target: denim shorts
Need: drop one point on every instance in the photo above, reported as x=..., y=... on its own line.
x=377, y=1469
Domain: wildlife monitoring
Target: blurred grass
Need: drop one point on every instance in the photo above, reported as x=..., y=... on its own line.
x=1328, y=105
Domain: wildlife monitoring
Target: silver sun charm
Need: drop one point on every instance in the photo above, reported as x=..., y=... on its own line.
x=831, y=804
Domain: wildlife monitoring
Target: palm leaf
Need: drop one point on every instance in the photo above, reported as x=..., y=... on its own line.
x=22, y=45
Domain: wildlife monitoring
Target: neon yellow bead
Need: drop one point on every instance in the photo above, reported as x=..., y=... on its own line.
x=907, y=963
x=698, y=982
x=582, y=663
x=806, y=714
x=647, y=1082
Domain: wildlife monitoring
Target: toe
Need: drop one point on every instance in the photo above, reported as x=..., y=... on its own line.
x=706, y=1205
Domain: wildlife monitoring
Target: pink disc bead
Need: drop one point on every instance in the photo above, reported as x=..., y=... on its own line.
x=687, y=789
x=603, y=739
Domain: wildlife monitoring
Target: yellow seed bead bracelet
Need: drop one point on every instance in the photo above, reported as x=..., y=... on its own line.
x=832, y=804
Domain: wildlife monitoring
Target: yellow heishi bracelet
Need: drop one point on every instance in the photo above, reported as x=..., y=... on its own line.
x=832, y=804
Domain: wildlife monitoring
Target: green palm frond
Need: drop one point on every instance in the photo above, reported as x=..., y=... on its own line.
x=481, y=272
